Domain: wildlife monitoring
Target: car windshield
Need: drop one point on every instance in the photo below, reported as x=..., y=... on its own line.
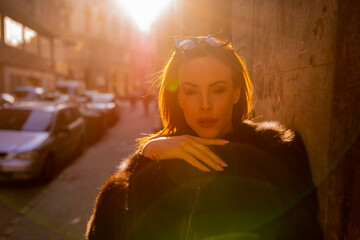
x=102, y=98
x=63, y=90
x=25, y=120
x=21, y=94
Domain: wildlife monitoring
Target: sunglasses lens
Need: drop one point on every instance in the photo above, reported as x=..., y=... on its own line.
x=216, y=42
x=188, y=43
x=185, y=43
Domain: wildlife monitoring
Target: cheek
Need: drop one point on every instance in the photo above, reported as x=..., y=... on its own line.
x=224, y=105
x=188, y=105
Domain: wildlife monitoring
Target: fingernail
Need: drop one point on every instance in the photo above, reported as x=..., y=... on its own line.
x=223, y=163
x=205, y=169
x=225, y=141
x=219, y=168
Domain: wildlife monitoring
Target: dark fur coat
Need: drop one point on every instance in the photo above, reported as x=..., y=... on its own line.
x=266, y=192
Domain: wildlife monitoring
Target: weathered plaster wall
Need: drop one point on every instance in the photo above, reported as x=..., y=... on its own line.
x=345, y=122
x=303, y=57
x=289, y=50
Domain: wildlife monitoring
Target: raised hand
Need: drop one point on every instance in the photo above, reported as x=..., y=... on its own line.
x=193, y=150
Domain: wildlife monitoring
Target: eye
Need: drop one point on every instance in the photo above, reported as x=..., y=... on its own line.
x=218, y=90
x=190, y=92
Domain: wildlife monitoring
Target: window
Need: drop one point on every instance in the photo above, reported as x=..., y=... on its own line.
x=65, y=117
x=62, y=120
x=71, y=115
x=45, y=47
x=101, y=25
x=88, y=19
x=115, y=29
x=31, y=40
x=13, y=33
x=25, y=120
x=19, y=36
x=76, y=113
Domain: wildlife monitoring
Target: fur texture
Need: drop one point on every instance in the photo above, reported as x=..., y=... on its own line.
x=266, y=192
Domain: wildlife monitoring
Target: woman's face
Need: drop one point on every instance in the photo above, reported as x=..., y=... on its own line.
x=206, y=96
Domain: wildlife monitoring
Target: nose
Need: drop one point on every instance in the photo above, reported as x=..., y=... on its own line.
x=205, y=102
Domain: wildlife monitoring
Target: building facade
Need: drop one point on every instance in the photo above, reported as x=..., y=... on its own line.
x=27, y=55
x=92, y=41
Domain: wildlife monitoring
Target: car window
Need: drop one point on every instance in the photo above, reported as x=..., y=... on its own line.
x=21, y=94
x=26, y=120
x=71, y=115
x=63, y=90
x=62, y=119
x=75, y=113
x=65, y=117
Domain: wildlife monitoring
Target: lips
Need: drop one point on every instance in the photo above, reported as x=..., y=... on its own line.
x=207, y=122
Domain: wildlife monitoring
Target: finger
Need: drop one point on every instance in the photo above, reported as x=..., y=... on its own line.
x=192, y=161
x=211, y=141
x=204, y=158
x=203, y=153
x=210, y=153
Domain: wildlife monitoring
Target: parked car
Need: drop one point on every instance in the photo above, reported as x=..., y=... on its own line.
x=28, y=93
x=95, y=119
x=6, y=99
x=70, y=87
x=55, y=97
x=106, y=103
x=95, y=124
x=38, y=138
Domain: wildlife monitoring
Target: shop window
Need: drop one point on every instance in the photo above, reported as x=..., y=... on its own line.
x=13, y=33
x=18, y=36
x=31, y=40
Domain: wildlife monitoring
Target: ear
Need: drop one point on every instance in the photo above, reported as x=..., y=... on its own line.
x=179, y=100
x=236, y=95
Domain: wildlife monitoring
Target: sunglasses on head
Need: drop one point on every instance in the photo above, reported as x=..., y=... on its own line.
x=188, y=43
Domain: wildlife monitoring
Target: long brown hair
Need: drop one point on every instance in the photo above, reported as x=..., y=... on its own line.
x=171, y=114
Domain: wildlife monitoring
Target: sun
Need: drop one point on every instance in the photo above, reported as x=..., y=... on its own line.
x=144, y=12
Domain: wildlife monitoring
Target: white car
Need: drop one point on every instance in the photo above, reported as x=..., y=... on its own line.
x=38, y=138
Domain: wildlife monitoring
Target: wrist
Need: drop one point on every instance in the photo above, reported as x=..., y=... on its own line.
x=146, y=151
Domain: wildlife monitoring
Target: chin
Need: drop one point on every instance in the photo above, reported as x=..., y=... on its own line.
x=206, y=134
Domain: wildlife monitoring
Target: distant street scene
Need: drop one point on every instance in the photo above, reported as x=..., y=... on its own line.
x=60, y=209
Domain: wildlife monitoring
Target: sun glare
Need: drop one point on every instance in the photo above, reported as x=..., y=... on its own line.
x=144, y=12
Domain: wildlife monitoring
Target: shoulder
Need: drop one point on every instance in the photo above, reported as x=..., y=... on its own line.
x=133, y=162
x=271, y=136
x=118, y=182
x=269, y=132
x=113, y=189
x=110, y=206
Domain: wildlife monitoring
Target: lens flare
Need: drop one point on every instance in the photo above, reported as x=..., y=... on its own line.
x=144, y=12
x=172, y=85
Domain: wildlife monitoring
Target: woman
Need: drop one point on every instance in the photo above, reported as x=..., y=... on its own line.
x=210, y=173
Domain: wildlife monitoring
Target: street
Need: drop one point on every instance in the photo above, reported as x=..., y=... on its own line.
x=60, y=210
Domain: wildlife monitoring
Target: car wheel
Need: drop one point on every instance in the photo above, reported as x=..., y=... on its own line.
x=80, y=149
x=48, y=169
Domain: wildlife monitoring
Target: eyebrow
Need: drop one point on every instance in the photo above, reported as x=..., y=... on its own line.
x=210, y=85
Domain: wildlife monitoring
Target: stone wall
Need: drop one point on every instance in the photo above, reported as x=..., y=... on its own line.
x=303, y=57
